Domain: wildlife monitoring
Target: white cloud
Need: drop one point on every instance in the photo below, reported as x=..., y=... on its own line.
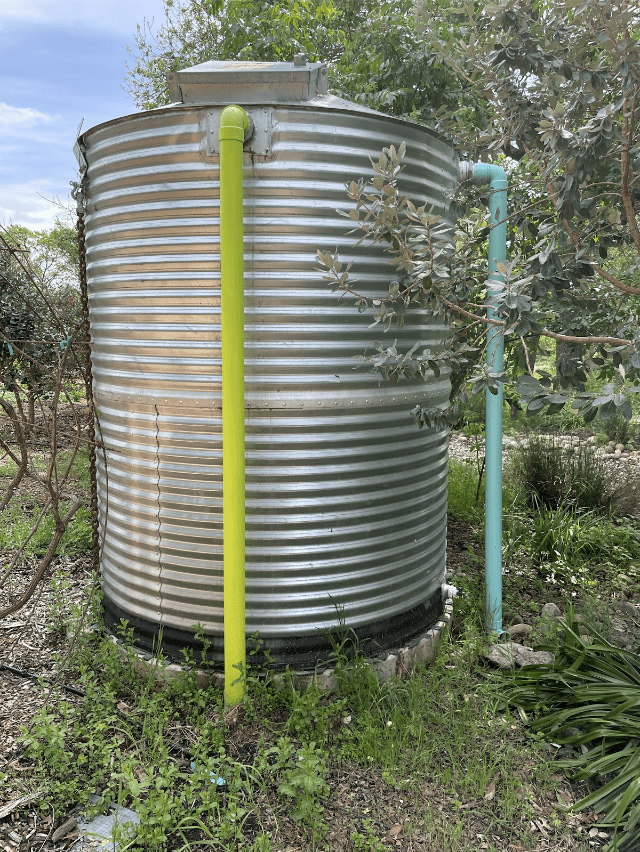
x=27, y=204
x=15, y=120
x=119, y=16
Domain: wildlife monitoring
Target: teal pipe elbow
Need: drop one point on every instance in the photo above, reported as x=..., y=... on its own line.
x=495, y=176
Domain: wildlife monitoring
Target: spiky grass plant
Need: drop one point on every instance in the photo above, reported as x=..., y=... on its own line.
x=550, y=477
x=589, y=702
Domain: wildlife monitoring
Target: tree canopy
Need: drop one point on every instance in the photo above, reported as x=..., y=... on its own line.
x=548, y=89
x=374, y=49
x=561, y=81
x=39, y=307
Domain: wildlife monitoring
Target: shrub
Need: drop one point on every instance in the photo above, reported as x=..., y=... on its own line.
x=548, y=476
x=618, y=429
x=588, y=702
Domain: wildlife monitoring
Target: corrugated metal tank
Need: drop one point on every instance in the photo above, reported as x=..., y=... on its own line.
x=345, y=497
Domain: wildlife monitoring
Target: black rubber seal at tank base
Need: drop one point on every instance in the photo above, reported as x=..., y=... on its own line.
x=298, y=652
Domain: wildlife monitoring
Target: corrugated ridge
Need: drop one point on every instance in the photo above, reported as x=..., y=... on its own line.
x=346, y=500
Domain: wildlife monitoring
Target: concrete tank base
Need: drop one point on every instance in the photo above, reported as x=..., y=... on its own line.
x=398, y=662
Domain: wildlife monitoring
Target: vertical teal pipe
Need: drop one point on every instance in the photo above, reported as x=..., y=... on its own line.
x=234, y=128
x=496, y=177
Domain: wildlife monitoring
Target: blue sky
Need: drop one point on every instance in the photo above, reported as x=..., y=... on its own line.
x=60, y=61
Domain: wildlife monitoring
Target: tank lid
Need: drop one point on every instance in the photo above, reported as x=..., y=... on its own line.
x=216, y=82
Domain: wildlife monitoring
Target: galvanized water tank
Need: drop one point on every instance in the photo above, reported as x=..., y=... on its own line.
x=346, y=498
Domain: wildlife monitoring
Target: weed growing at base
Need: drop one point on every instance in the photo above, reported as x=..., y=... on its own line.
x=462, y=489
x=160, y=749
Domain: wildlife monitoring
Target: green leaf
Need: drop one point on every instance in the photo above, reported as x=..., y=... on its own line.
x=536, y=404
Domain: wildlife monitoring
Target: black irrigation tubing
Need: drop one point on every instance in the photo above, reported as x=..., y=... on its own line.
x=31, y=676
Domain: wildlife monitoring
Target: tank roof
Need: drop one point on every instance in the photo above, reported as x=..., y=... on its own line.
x=249, y=82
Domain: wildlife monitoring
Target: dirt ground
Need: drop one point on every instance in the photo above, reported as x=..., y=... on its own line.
x=30, y=643
x=32, y=652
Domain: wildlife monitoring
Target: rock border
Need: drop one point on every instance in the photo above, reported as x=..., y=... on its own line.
x=399, y=662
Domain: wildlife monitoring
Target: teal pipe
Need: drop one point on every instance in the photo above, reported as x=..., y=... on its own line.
x=481, y=174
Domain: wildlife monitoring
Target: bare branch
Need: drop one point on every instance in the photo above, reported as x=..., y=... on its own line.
x=24, y=458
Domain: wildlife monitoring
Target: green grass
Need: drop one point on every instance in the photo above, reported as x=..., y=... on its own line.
x=547, y=476
x=572, y=550
x=443, y=723
x=441, y=735
x=463, y=490
x=21, y=515
x=19, y=521
x=562, y=542
x=560, y=535
x=79, y=470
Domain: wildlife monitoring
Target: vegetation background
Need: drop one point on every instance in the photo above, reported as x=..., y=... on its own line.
x=443, y=758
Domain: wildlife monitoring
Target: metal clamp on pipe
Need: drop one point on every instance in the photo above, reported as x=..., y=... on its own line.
x=495, y=176
x=235, y=128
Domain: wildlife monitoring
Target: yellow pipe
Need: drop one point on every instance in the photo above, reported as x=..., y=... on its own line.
x=234, y=127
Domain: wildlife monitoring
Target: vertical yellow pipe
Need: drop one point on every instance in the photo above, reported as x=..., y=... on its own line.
x=234, y=126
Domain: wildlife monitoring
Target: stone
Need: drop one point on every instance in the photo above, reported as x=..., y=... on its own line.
x=519, y=631
x=507, y=655
x=386, y=669
x=620, y=447
x=628, y=608
x=426, y=649
x=550, y=610
x=623, y=640
x=327, y=681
